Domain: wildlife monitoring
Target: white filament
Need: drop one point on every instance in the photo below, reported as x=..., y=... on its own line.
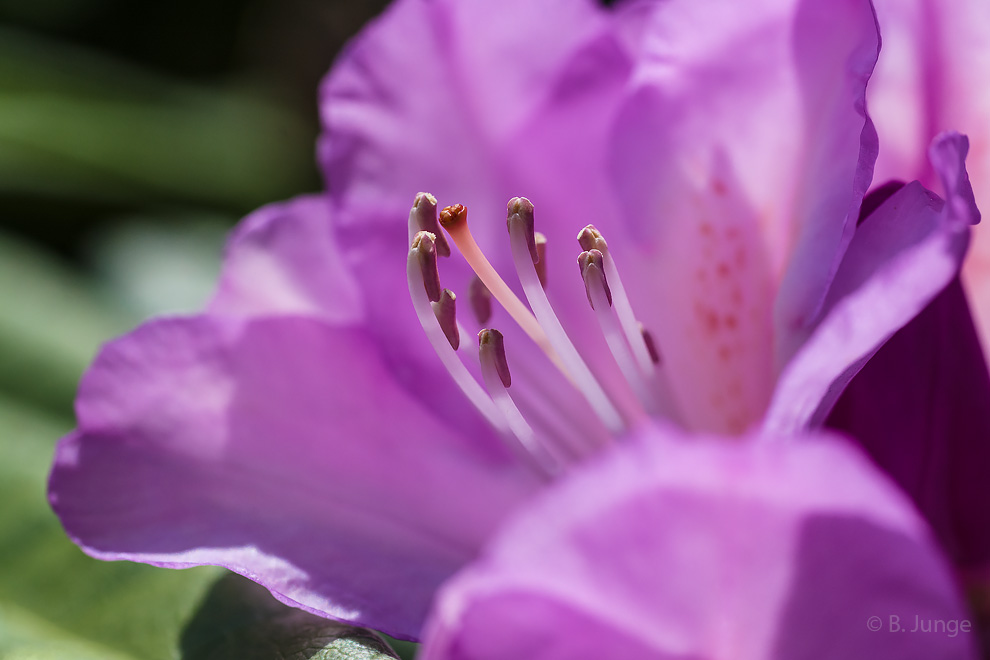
x=578, y=371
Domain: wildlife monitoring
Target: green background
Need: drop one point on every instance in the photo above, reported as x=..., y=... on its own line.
x=132, y=137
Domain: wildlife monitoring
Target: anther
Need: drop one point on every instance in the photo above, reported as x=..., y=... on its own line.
x=520, y=212
x=481, y=300
x=541, y=264
x=423, y=217
x=651, y=345
x=591, y=263
x=424, y=245
x=590, y=238
x=492, y=347
x=447, y=317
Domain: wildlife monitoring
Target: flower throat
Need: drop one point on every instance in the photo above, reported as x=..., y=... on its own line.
x=631, y=346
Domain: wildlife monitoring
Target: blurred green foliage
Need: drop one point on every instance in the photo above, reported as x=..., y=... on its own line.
x=111, y=108
x=132, y=135
x=77, y=126
x=51, y=321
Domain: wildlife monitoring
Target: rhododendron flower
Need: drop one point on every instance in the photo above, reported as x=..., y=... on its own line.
x=315, y=431
x=729, y=551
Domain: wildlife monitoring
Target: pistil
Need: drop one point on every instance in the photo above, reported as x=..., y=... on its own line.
x=454, y=220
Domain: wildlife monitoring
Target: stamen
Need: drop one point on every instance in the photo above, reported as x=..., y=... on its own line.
x=444, y=310
x=425, y=249
x=481, y=300
x=495, y=371
x=541, y=264
x=591, y=239
x=601, y=301
x=424, y=311
x=520, y=223
x=423, y=217
x=566, y=432
x=564, y=437
x=454, y=220
x=639, y=339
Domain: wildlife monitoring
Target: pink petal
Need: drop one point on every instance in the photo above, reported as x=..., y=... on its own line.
x=741, y=157
x=703, y=548
x=282, y=259
x=282, y=449
x=442, y=85
x=906, y=252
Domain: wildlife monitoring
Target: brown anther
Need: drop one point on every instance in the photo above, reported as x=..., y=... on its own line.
x=590, y=238
x=541, y=264
x=651, y=346
x=423, y=217
x=591, y=263
x=520, y=213
x=492, y=347
x=481, y=300
x=424, y=245
x=444, y=310
x=452, y=216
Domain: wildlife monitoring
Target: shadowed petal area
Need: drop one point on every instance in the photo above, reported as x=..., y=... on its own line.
x=282, y=259
x=901, y=257
x=703, y=549
x=281, y=449
x=741, y=155
x=920, y=408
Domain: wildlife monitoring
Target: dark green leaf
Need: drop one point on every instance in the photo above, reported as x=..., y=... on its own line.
x=240, y=620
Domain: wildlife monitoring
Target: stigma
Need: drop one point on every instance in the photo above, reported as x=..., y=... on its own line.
x=631, y=346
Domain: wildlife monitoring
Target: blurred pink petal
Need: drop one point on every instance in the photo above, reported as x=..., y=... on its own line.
x=728, y=550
